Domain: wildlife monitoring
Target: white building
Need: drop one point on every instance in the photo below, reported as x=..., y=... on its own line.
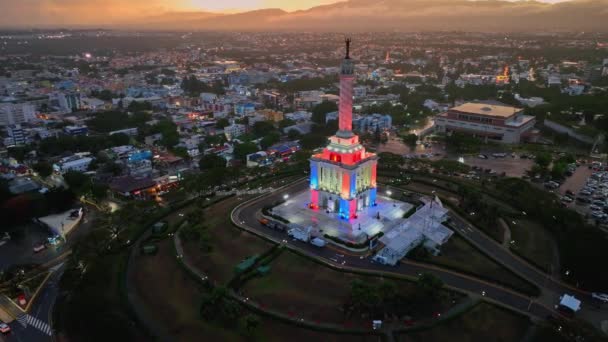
x=425, y=226
x=499, y=123
x=77, y=162
x=16, y=136
x=16, y=113
x=234, y=131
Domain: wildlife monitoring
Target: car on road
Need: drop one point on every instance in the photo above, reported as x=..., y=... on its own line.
x=4, y=328
x=483, y=156
x=602, y=297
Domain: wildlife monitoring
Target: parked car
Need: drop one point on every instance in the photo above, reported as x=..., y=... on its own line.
x=567, y=199
x=39, y=248
x=483, y=156
x=602, y=297
x=583, y=199
x=595, y=207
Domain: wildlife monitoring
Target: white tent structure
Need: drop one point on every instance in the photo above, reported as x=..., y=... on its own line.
x=424, y=226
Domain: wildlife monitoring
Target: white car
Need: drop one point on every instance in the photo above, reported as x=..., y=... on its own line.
x=39, y=248
x=600, y=296
x=4, y=328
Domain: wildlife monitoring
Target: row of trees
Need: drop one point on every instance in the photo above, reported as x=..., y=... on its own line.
x=369, y=299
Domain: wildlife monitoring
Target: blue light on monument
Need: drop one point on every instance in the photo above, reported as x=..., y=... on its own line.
x=372, y=196
x=314, y=177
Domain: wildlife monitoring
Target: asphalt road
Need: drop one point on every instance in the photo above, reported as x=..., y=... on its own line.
x=38, y=325
x=246, y=216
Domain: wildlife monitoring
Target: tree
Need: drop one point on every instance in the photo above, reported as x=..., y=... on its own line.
x=293, y=134
x=286, y=123
x=211, y=161
x=43, y=168
x=119, y=139
x=99, y=191
x=262, y=128
x=430, y=284
x=250, y=324
x=410, y=139
x=242, y=150
x=543, y=159
x=221, y=123
x=320, y=111
x=269, y=140
x=77, y=181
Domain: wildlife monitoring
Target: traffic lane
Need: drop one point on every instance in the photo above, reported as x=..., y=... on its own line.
x=19, y=249
x=28, y=334
x=503, y=256
x=462, y=282
x=490, y=247
x=41, y=309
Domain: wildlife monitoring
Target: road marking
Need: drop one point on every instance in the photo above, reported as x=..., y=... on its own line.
x=26, y=320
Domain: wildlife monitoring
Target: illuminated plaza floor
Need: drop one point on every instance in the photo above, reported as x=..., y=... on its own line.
x=296, y=210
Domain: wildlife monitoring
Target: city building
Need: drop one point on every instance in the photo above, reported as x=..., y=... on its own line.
x=16, y=136
x=343, y=176
x=16, y=113
x=494, y=122
x=372, y=123
x=78, y=162
x=234, y=131
x=76, y=130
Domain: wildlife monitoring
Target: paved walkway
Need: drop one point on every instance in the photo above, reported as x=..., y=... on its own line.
x=506, y=240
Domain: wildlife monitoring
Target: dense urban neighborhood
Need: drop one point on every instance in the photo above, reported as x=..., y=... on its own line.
x=265, y=186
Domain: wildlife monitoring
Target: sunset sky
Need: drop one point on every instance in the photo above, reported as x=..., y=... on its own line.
x=35, y=13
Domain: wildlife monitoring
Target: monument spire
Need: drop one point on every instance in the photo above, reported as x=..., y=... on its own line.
x=347, y=41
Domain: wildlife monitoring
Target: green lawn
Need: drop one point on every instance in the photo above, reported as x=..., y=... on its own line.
x=230, y=245
x=303, y=287
x=459, y=255
x=532, y=241
x=485, y=322
x=172, y=298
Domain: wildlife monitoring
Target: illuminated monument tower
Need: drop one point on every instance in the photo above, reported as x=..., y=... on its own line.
x=343, y=176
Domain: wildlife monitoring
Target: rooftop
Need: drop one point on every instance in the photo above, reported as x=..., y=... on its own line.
x=487, y=109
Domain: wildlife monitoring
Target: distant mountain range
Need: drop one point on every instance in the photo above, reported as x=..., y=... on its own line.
x=401, y=15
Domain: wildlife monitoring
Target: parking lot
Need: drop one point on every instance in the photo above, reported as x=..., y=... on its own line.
x=590, y=189
x=511, y=165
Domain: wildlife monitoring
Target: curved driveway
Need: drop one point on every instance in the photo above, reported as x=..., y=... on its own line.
x=246, y=214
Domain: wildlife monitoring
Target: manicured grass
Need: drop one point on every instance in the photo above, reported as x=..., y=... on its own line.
x=459, y=255
x=172, y=298
x=533, y=242
x=485, y=322
x=230, y=245
x=304, y=288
